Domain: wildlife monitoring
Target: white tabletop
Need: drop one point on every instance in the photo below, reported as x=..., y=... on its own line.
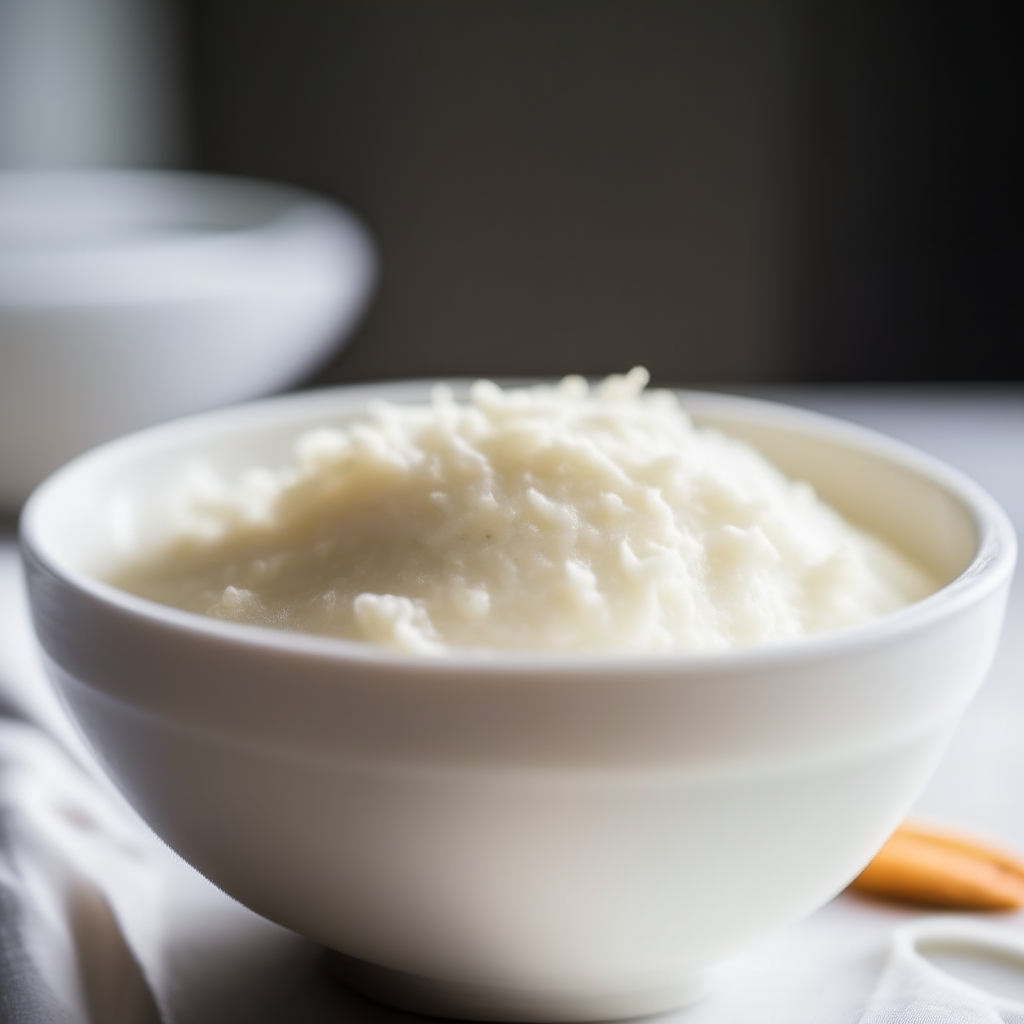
x=212, y=961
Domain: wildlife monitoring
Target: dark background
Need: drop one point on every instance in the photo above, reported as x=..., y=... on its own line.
x=724, y=190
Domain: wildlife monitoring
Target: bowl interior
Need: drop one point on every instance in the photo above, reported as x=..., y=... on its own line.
x=884, y=489
x=121, y=498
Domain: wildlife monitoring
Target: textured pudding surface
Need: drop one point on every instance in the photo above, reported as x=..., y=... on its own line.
x=551, y=518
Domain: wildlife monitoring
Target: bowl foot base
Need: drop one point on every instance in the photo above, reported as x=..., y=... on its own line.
x=436, y=997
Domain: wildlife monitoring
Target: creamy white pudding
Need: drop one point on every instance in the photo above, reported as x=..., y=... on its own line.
x=558, y=518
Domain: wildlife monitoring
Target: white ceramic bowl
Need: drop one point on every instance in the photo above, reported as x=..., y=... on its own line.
x=519, y=837
x=130, y=297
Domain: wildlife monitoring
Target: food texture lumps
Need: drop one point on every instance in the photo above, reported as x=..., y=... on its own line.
x=567, y=517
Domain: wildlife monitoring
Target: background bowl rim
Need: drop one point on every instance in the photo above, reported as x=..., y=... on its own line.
x=188, y=263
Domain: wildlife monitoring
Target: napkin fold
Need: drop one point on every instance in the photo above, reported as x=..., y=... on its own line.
x=68, y=935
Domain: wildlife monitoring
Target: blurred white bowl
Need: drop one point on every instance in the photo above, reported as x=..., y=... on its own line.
x=131, y=297
x=517, y=836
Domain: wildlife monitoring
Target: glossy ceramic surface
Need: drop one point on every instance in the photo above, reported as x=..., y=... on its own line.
x=518, y=837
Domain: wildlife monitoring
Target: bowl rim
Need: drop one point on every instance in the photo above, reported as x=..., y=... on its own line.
x=991, y=567
x=173, y=263
x=156, y=188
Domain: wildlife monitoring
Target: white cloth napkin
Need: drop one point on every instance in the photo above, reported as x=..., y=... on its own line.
x=913, y=990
